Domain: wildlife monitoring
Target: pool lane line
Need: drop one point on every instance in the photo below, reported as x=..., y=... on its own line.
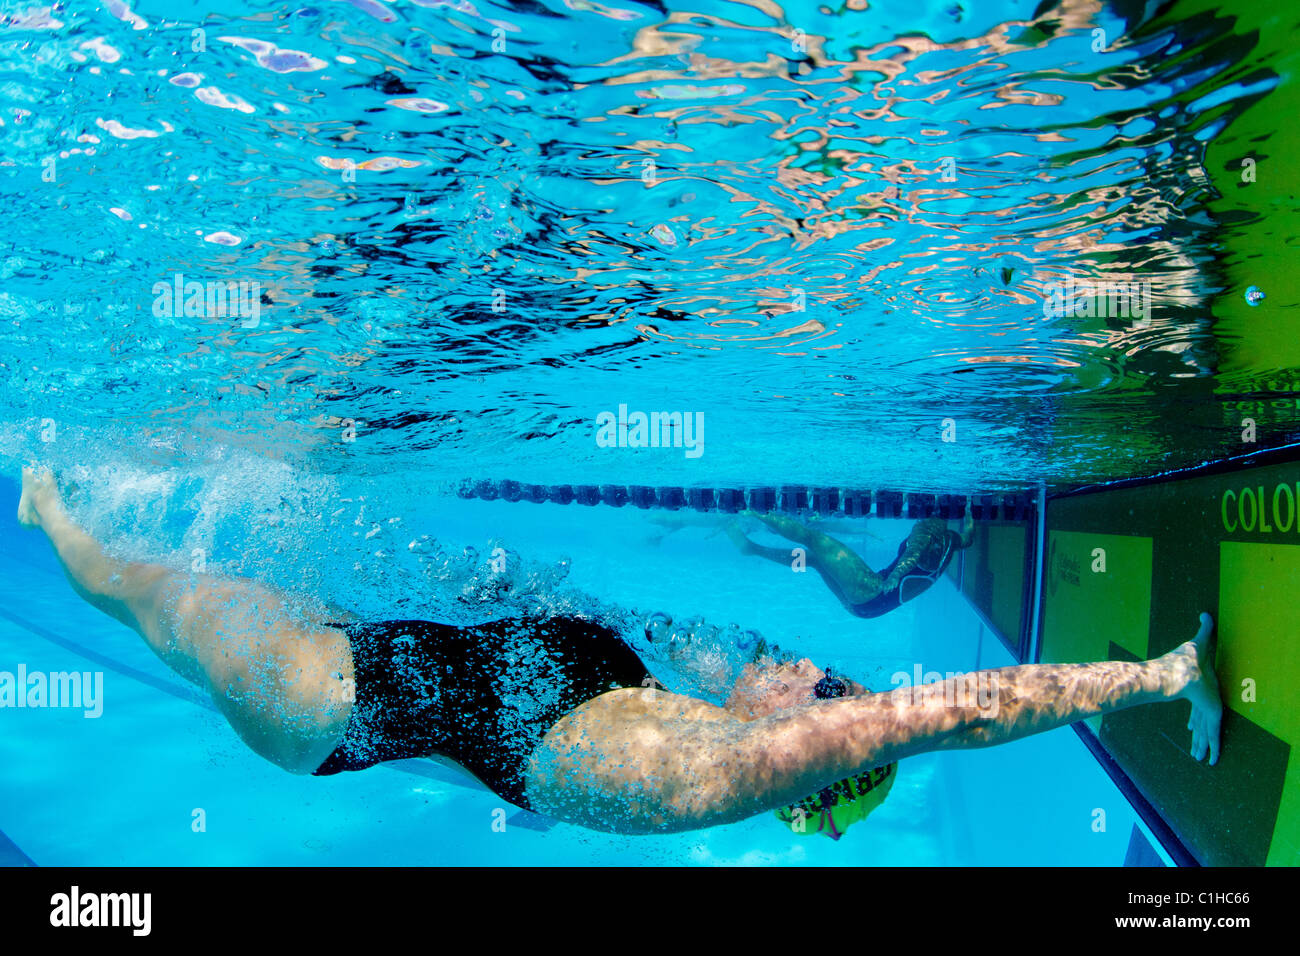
x=126, y=670
x=783, y=499
x=11, y=853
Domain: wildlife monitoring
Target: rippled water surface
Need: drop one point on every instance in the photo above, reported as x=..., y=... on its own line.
x=468, y=228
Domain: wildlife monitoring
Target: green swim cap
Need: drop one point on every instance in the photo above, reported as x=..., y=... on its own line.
x=839, y=806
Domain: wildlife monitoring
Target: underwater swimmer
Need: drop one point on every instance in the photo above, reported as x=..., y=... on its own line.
x=922, y=557
x=597, y=749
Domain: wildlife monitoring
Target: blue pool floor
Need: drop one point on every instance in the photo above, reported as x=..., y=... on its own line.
x=122, y=789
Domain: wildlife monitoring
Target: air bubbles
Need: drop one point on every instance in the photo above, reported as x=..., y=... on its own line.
x=1255, y=295
x=657, y=627
x=680, y=638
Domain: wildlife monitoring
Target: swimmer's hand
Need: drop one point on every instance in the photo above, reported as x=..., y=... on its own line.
x=968, y=527
x=1203, y=692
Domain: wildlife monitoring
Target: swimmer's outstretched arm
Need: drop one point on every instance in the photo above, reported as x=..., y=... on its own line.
x=641, y=761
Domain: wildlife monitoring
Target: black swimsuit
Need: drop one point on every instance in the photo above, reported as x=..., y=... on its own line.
x=482, y=696
x=950, y=542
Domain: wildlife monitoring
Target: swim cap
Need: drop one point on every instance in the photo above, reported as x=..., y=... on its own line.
x=842, y=804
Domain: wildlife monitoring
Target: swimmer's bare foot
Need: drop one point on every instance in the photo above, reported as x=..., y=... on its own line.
x=1203, y=691
x=39, y=491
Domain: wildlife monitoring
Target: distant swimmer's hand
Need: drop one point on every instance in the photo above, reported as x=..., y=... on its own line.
x=968, y=524
x=1203, y=692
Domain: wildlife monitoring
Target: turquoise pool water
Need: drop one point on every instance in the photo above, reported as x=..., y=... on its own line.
x=275, y=278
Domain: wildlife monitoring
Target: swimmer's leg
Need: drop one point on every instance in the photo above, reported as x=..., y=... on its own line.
x=746, y=546
x=640, y=761
x=849, y=576
x=118, y=588
x=280, y=680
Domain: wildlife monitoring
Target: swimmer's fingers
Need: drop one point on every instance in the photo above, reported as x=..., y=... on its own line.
x=1199, y=743
x=1207, y=720
x=1214, y=731
x=1206, y=731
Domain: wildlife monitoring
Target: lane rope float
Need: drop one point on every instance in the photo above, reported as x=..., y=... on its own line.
x=784, y=499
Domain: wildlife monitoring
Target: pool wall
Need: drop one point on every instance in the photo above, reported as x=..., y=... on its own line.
x=1127, y=569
